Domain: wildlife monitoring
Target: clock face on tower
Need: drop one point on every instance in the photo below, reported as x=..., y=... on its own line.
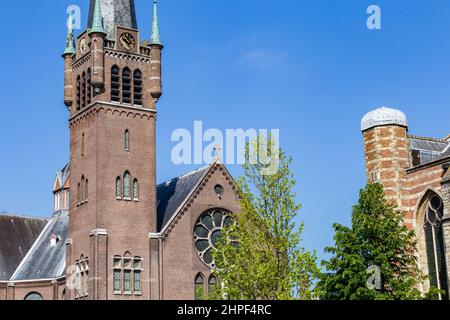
x=127, y=41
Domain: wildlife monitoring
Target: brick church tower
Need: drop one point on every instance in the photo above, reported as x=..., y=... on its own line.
x=112, y=86
x=387, y=154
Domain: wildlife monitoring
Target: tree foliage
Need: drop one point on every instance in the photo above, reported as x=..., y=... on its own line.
x=377, y=240
x=260, y=256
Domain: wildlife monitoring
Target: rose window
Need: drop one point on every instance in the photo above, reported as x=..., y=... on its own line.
x=207, y=231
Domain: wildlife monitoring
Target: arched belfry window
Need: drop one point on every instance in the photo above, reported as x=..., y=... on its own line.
x=78, y=93
x=89, y=87
x=83, y=90
x=127, y=185
x=126, y=86
x=119, y=188
x=434, y=240
x=137, y=87
x=115, y=84
x=199, y=287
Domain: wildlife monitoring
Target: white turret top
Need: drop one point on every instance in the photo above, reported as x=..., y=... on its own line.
x=383, y=116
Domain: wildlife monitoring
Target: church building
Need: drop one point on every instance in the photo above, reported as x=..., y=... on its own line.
x=414, y=172
x=115, y=234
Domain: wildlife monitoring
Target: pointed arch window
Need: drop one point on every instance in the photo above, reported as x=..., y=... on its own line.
x=127, y=274
x=89, y=87
x=82, y=144
x=115, y=84
x=78, y=193
x=86, y=190
x=127, y=140
x=127, y=185
x=137, y=87
x=135, y=190
x=78, y=93
x=119, y=188
x=435, y=247
x=83, y=189
x=199, y=287
x=83, y=90
x=212, y=284
x=126, y=86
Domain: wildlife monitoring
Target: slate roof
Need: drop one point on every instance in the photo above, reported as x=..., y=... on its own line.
x=430, y=149
x=17, y=235
x=172, y=194
x=44, y=261
x=435, y=145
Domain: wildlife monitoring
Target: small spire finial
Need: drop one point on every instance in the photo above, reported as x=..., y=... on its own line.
x=97, y=21
x=70, y=39
x=217, y=152
x=155, y=39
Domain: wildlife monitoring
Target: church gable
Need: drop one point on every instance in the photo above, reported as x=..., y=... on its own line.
x=212, y=186
x=185, y=256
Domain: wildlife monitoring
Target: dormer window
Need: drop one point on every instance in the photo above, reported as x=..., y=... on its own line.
x=54, y=239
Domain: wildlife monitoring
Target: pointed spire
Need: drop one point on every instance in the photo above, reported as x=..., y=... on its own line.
x=97, y=21
x=155, y=29
x=70, y=39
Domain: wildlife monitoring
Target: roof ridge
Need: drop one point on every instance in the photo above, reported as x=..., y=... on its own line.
x=411, y=136
x=184, y=176
x=14, y=215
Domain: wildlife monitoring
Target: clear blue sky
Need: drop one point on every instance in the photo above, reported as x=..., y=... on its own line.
x=308, y=67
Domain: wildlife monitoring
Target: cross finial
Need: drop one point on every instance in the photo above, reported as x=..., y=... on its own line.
x=217, y=150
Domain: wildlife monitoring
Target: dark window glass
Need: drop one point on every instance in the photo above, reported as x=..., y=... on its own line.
x=115, y=84
x=126, y=86
x=34, y=296
x=89, y=87
x=137, y=87
x=78, y=93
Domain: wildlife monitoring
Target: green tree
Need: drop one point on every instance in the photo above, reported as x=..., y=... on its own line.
x=375, y=259
x=261, y=256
